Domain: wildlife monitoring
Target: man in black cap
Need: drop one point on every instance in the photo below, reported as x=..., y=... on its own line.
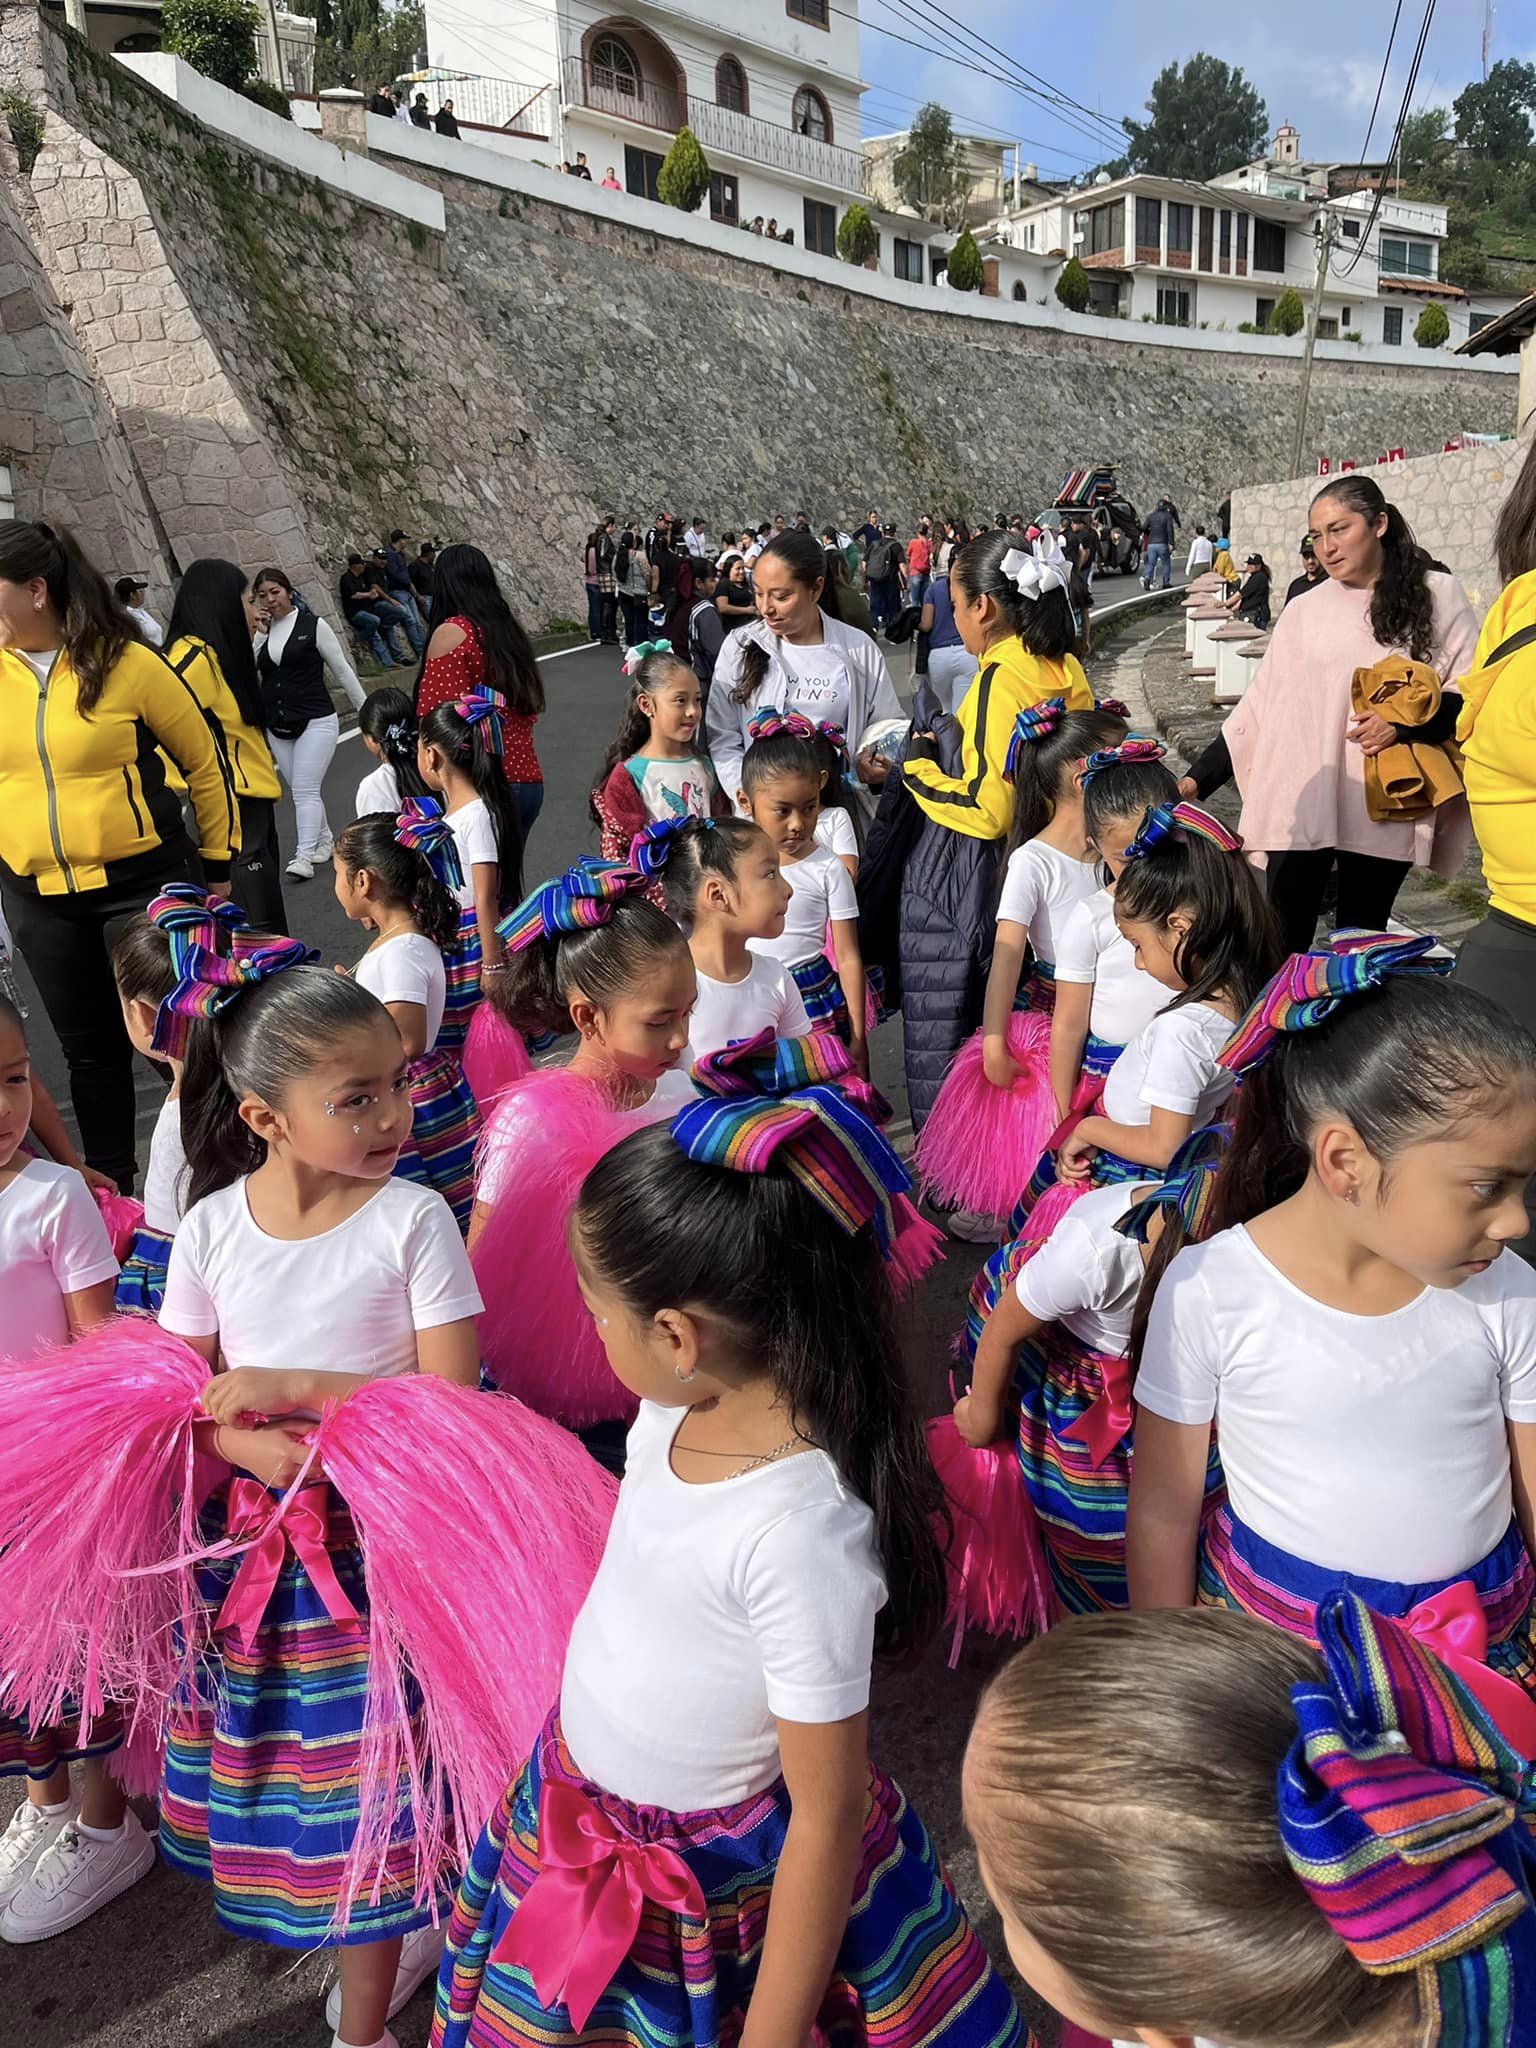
x=1312, y=571
x=130, y=595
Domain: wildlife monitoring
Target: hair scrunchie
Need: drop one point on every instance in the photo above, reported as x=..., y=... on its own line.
x=1180, y=821
x=422, y=827
x=835, y=738
x=633, y=656
x=584, y=897
x=1034, y=723
x=1111, y=707
x=215, y=956
x=773, y=724
x=1311, y=986
x=1130, y=752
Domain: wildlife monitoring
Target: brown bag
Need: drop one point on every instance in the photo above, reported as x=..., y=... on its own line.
x=1410, y=778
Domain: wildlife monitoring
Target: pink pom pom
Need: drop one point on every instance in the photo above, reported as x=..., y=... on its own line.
x=998, y=1576
x=536, y=1337
x=981, y=1144
x=99, y=1487
x=918, y=1244
x=122, y=1215
x=481, y=1528
x=1053, y=1204
x=494, y=1056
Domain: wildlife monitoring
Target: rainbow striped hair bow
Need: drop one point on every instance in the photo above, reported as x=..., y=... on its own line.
x=422, y=827
x=1034, y=722
x=1129, y=753
x=1408, y=1818
x=215, y=956
x=835, y=738
x=765, y=1065
x=775, y=725
x=651, y=849
x=483, y=707
x=584, y=897
x=1311, y=986
x=1111, y=707
x=1185, y=1189
x=1180, y=822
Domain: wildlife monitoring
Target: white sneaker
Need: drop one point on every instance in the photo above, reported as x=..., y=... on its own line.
x=420, y=1954
x=385, y=2040
x=325, y=849
x=31, y=1832
x=300, y=869
x=75, y=1877
x=973, y=1227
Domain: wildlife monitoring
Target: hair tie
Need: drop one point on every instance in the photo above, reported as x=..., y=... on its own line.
x=1185, y=1188
x=1129, y=753
x=1179, y=822
x=1035, y=722
x=1406, y=1814
x=773, y=725
x=483, y=706
x=1040, y=570
x=651, y=849
x=422, y=828
x=1111, y=707
x=214, y=956
x=1311, y=986
x=642, y=648
x=400, y=734
x=584, y=897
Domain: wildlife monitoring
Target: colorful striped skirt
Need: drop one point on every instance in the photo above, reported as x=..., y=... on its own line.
x=822, y=993
x=259, y=1793
x=445, y=1126
x=1238, y=1569
x=1107, y=1167
x=38, y=1753
x=910, y=1970
x=141, y=1283
x=462, y=962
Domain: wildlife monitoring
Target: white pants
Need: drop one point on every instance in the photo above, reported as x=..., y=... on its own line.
x=951, y=671
x=302, y=764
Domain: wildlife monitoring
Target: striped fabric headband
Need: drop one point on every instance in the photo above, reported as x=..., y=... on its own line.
x=651, y=849
x=773, y=725
x=1408, y=1818
x=1311, y=986
x=422, y=827
x=1111, y=707
x=214, y=956
x=1129, y=753
x=584, y=897
x=1179, y=822
x=483, y=707
x=1185, y=1189
x=1034, y=722
x=766, y=1065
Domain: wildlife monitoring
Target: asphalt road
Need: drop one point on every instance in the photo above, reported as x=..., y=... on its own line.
x=153, y=1970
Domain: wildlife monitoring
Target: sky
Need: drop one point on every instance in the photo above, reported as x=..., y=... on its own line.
x=1315, y=66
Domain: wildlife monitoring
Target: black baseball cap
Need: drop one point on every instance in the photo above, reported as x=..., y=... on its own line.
x=125, y=586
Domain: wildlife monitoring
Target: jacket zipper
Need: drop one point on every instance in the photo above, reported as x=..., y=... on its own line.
x=138, y=815
x=48, y=782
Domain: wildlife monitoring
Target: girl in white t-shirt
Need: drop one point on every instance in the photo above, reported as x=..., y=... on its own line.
x=1197, y=1829
x=302, y=1269
x=459, y=753
x=774, y=1532
x=396, y=878
x=387, y=724
x=1356, y=1329
x=586, y=953
x=656, y=766
x=60, y=1859
x=995, y=1110
x=836, y=829
x=781, y=785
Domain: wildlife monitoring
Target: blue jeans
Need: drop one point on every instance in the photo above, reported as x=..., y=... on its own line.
x=393, y=615
x=366, y=625
x=1159, y=556
x=594, y=612
x=917, y=588
x=406, y=599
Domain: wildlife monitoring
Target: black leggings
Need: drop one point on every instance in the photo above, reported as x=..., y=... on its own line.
x=1367, y=890
x=256, y=878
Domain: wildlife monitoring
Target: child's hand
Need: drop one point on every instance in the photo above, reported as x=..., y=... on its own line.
x=250, y=1390
x=997, y=1063
x=1075, y=1158
x=274, y=1455
x=979, y=1421
x=858, y=1052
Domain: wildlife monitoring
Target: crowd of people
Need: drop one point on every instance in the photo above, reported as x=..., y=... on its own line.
x=1246, y=1446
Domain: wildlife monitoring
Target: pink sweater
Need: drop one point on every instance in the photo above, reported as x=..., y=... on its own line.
x=1302, y=783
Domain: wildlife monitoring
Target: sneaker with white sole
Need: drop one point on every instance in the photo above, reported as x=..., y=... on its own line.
x=385, y=2040
x=300, y=869
x=420, y=1953
x=325, y=849
x=76, y=1875
x=973, y=1227
x=31, y=1832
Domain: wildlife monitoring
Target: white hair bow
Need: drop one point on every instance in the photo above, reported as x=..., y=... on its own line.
x=1033, y=574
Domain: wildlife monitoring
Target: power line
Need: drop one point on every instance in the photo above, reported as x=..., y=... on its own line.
x=1365, y=150
x=1053, y=93
x=1402, y=116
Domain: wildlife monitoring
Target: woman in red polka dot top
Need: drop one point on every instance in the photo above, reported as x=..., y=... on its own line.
x=475, y=643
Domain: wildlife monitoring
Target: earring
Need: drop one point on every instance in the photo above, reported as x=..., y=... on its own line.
x=685, y=1377
x=1352, y=1195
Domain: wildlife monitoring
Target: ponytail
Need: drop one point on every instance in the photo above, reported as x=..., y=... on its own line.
x=388, y=718
x=699, y=848
x=603, y=962
x=1232, y=946
x=94, y=627
x=1046, y=754
x=805, y=558
x=473, y=746
x=634, y=731
x=403, y=873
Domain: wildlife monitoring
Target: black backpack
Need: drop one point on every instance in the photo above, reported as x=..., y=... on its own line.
x=879, y=564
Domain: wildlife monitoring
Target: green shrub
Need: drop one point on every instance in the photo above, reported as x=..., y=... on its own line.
x=1290, y=315
x=1072, y=286
x=25, y=122
x=1248, y=327
x=216, y=37
x=272, y=97
x=1433, y=329
x=683, y=178
x=858, y=239
x=965, y=271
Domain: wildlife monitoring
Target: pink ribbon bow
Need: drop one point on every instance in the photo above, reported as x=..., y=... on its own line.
x=296, y=1522
x=1104, y=1423
x=578, y=1919
x=1454, y=1627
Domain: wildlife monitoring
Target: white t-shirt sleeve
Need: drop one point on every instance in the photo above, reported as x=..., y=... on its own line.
x=1180, y=1065
x=1023, y=888
x=476, y=836
x=842, y=898
x=397, y=973
x=437, y=1272
x=1180, y=1369
x=794, y=1020
x=79, y=1249
x=834, y=831
x=1517, y=1354
x=1077, y=950
x=187, y=1308
x=1066, y=1275
x=812, y=1590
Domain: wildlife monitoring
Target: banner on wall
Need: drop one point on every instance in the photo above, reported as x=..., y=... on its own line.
x=1452, y=447
x=1395, y=455
x=1347, y=464
x=1325, y=465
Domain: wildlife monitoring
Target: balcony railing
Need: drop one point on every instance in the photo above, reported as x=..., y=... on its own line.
x=492, y=102
x=722, y=131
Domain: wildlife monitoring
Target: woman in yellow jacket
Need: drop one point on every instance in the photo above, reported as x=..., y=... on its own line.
x=89, y=832
x=209, y=644
x=1014, y=614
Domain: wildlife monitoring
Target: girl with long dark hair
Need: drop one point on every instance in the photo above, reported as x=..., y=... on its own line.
x=459, y=750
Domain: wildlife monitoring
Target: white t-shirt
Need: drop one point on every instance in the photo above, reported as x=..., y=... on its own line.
x=349, y=1300
x=725, y=1012
x=1171, y=1064
x=378, y=791
x=475, y=836
x=1086, y=1275
x=835, y=831
x=1366, y=1444
x=165, y=1178
x=1041, y=887
x=52, y=1243
x=716, y=1611
x=407, y=969
x=820, y=888
x=1093, y=949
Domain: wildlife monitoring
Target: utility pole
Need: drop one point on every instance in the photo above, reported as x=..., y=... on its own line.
x=1325, y=233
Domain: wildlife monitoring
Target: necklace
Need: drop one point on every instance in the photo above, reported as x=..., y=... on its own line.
x=763, y=1457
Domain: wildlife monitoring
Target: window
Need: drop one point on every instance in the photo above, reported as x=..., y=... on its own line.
x=1242, y=238
x=1327, y=328
x=1478, y=321
x=1181, y=227
x=813, y=11
x=1343, y=316
x=1268, y=245
x=938, y=266
x=1226, y=235
x=730, y=85
x=1104, y=296
x=1029, y=234
x=820, y=227
x=613, y=66
x=810, y=116
x=723, y=203
x=642, y=167
x=907, y=260
x=1149, y=223
x=1104, y=230
x=1173, y=305
x=1392, y=326
x=1351, y=231
x=1207, y=222
x=1402, y=258
x=1263, y=312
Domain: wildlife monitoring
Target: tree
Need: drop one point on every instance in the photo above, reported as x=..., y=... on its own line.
x=927, y=171
x=362, y=41
x=683, y=178
x=858, y=239
x=216, y=37
x=1462, y=257
x=964, y=270
x=1290, y=315
x=1493, y=114
x=1424, y=145
x=1072, y=286
x=1433, y=329
x=1206, y=118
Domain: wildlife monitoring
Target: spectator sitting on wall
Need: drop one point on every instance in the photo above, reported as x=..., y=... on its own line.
x=788, y=235
x=443, y=121
x=772, y=229
x=420, y=118
x=757, y=224
x=1251, y=599
x=610, y=182
x=397, y=581
x=1312, y=571
x=381, y=104
x=421, y=575
x=368, y=610
x=579, y=168
x=130, y=595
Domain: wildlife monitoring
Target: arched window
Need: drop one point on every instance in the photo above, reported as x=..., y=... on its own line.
x=730, y=85
x=613, y=65
x=810, y=116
